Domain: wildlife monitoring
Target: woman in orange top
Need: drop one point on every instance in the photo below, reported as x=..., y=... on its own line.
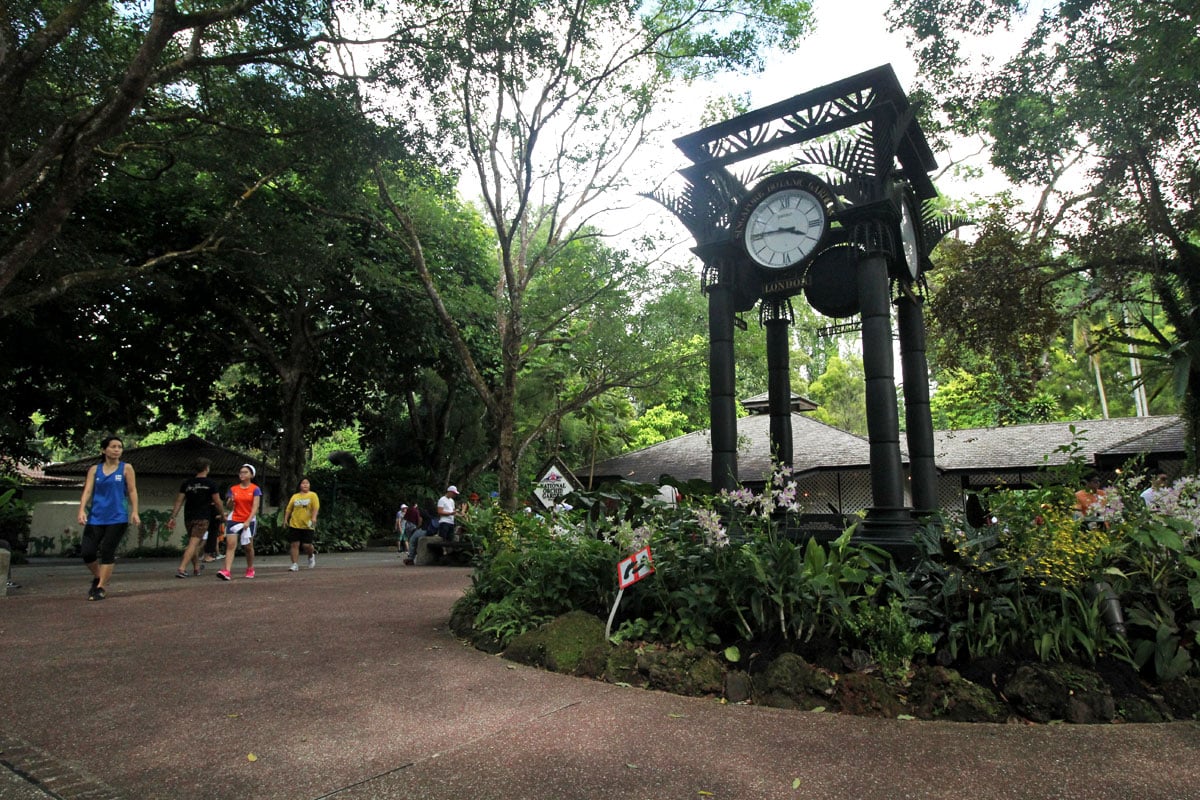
x=1087, y=497
x=245, y=499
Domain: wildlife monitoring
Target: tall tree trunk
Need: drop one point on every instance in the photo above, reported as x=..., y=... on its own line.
x=291, y=442
x=1191, y=419
x=505, y=411
x=1100, y=386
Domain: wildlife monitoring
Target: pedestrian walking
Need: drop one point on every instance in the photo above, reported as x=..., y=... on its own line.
x=109, y=503
x=245, y=498
x=300, y=519
x=199, y=497
x=212, y=539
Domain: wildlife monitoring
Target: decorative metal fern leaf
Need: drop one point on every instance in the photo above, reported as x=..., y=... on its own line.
x=852, y=157
x=937, y=224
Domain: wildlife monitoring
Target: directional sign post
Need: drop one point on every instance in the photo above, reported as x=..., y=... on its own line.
x=630, y=570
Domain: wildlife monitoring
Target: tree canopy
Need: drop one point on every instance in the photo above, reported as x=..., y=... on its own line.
x=1098, y=107
x=550, y=100
x=93, y=88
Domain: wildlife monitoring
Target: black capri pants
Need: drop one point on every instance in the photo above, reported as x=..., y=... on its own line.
x=102, y=540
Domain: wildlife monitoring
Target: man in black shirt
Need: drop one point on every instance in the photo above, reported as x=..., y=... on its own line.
x=198, y=496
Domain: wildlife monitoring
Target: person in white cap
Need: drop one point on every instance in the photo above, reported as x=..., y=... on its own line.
x=401, y=533
x=408, y=522
x=445, y=524
x=245, y=499
x=445, y=510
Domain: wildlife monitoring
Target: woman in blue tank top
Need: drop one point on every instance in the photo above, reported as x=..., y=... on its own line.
x=108, y=505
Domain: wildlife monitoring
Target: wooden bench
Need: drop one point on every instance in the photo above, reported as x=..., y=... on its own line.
x=433, y=550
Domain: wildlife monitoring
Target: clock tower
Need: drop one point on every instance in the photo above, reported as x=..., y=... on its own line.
x=823, y=195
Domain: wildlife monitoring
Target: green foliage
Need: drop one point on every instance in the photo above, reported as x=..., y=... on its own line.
x=1154, y=566
x=527, y=573
x=889, y=634
x=270, y=538
x=975, y=603
x=15, y=515
x=347, y=440
x=1090, y=110
x=1005, y=590
x=347, y=527
x=841, y=394
x=42, y=545
x=507, y=618
x=1039, y=531
x=655, y=425
x=981, y=400
x=972, y=330
x=154, y=532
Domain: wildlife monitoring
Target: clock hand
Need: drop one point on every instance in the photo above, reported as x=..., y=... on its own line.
x=792, y=229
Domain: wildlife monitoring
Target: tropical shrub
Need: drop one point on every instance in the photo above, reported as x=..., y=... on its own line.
x=527, y=572
x=1037, y=584
x=345, y=527
x=153, y=536
x=1153, y=564
x=15, y=515
x=889, y=635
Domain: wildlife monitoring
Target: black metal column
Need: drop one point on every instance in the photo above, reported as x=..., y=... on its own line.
x=918, y=420
x=889, y=523
x=779, y=383
x=883, y=420
x=721, y=408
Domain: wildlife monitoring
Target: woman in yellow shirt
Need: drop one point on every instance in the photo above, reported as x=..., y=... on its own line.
x=300, y=519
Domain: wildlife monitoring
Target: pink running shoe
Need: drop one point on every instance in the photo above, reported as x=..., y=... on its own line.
x=249, y=573
x=224, y=575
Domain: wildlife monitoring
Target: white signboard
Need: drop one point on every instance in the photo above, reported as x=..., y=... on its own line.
x=552, y=487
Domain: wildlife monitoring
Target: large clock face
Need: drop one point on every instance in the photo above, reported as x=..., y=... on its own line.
x=908, y=238
x=784, y=228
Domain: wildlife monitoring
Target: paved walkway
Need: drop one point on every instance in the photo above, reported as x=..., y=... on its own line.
x=343, y=682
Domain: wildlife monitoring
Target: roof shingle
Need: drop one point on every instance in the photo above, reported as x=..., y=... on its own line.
x=171, y=459
x=817, y=446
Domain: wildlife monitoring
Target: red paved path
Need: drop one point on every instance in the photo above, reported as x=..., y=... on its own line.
x=344, y=683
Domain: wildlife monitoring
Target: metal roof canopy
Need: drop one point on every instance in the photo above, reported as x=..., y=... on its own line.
x=874, y=96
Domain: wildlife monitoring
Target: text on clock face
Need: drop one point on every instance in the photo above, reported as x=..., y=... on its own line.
x=785, y=227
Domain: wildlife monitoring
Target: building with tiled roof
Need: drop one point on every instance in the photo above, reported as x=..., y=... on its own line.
x=832, y=467
x=1104, y=443
x=54, y=489
x=173, y=460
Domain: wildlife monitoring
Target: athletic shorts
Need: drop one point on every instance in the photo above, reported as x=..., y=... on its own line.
x=244, y=532
x=301, y=535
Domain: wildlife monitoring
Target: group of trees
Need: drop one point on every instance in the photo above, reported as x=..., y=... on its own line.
x=1096, y=109
x=241, y=210
x=247, y=218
